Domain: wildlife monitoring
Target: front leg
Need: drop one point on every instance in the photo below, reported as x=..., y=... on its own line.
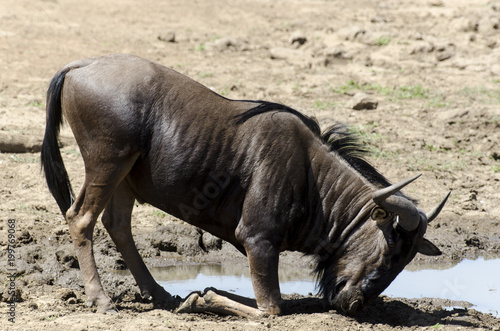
x=263, y=258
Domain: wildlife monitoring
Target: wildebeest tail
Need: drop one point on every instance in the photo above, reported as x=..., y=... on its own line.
x=52, y=162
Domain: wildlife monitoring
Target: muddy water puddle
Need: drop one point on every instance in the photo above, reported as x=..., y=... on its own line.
x=476, y=281
x=235, y=278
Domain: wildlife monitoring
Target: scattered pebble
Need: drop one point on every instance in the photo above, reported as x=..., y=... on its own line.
x=66, y=294
x=227, y=44
x=297, y=39
x=167, y=37
x=421, y=47
x=436, y=3
x=445, y=55
x=362, y=101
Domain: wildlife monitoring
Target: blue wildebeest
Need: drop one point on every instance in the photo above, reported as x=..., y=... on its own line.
x=257, y=174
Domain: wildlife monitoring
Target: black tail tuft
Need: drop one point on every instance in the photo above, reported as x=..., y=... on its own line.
x=52, y=163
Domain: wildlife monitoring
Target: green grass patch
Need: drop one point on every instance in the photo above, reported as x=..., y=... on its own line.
x=437, y=102
x=71, y=152
x=24, y=159
x=35, y=103
x=482, y=94
x=412, y=92
x=383, y=40
x=319, y=104
x=371, y=140
x=205, y=74
x=159, y=213
x=348, y=87
x=200, y=47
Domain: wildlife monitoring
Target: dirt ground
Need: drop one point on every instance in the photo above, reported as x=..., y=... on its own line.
x=432, y=67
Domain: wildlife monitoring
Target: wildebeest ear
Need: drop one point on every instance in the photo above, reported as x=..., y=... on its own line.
x=379, y=215
x=428, y=248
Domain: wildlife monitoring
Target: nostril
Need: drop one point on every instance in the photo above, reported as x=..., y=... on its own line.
x=351, y=301
x=355, y=307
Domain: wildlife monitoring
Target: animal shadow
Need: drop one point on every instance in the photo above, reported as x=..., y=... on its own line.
x=388, y=311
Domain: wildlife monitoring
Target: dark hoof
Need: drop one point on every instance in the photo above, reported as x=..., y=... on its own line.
x=158, y=295
x=105, y=307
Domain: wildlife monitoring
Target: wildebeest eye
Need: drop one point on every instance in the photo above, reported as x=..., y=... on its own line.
x=390, y=241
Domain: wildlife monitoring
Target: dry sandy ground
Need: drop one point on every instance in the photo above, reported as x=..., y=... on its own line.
x=432, y=66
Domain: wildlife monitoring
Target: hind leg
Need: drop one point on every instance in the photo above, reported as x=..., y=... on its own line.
x=81, y=217
x=117, y=218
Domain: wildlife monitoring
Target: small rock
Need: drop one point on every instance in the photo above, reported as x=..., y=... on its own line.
x=167, y=246
x=436, y=3
x=444, y=55
x=378, y=19
x=351, y=33
x=495, y=156
x=211, y=242
x=362, y=101
x=337, y=55
x=488, y=25
x=224, y=43
x=66, y=294
x=25, y=238
x=474, y=242
x=120, y=264
x=8, y=296
x=297, y=39
x=227, y=44
x=421, y=47
x=168, y=37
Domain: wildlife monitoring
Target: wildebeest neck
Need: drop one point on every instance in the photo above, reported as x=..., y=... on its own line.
x=339, y=182
x=340, y=200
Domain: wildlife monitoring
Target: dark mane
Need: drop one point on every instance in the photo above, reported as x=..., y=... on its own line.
x=338, y=138
x=265, y=107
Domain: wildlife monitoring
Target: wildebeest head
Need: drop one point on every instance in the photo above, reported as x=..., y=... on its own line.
x=387, y=238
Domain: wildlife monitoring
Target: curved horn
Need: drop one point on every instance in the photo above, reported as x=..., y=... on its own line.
x=435, y=212
x=408, y=215
x=384, y=193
